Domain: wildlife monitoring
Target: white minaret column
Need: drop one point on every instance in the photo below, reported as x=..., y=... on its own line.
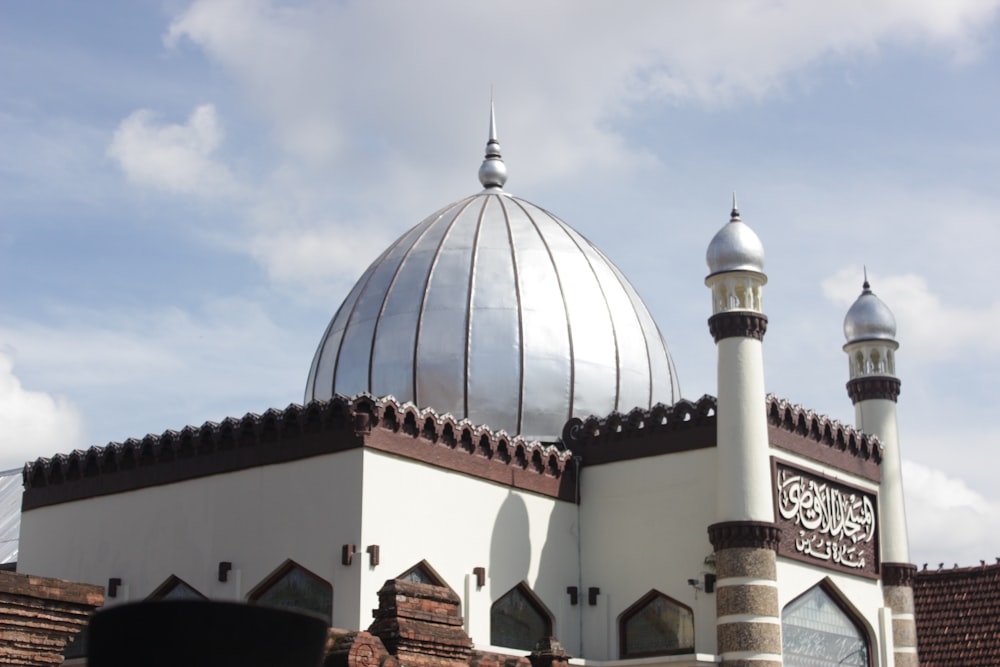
x=870, y=330
x=745, y=538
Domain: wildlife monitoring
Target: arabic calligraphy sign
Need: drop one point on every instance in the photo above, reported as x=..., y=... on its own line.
x=824, y=522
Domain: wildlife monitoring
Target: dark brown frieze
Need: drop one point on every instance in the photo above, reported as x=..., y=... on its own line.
x=446, y=442
x=867, y=388
x=662, y=429
x=815, y=436
x=744, y=534
x=737, y=324
x=321, y=427
x=898, y=574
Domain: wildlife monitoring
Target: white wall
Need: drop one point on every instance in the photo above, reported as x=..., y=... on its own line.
x=255, y=518
x=456, y=523
x=645, y=526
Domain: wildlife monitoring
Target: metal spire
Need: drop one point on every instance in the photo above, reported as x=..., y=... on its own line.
x=735, y=215
x=865, y=286
x=493, y=172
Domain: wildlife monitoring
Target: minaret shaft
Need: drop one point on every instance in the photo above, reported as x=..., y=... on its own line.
x=745, y=537
x=744, y=485
x=870, y=329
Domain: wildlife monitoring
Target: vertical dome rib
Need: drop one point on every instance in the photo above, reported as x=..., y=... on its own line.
x=460, y=206
x=471, y=299
x=575, y=238
x=562, y=300
x=520, y=317
x=622, y=284
x=385, y=298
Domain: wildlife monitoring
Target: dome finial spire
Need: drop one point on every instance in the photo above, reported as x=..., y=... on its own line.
x=493, y=172
x=866, y=285
x=736, y=209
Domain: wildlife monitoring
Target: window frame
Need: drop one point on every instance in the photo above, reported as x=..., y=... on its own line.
x=637, y=606
x=535, y=603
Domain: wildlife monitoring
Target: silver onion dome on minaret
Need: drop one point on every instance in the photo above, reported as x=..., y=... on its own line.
x=735, y=247
x=869, y=318
x=495, y=310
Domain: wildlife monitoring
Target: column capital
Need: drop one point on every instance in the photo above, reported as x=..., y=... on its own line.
x=737, y=324
x=873, y=386
x=745, y=534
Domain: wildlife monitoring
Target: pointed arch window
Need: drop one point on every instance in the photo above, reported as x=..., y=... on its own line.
x=656, y=625
x=175, y=588
x=294, y=587
x=817, y=630
x=423, y=573
x=519, y=619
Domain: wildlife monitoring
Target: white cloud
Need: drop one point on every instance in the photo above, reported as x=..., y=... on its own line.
x=181, y=366
x=317, y=258
x=33, y=423
x=343, y=79
x=172, y=157
x=948, y=522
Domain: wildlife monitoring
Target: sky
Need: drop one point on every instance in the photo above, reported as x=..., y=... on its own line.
x=189, y=189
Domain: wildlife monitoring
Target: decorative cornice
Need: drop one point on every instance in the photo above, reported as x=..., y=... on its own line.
x=744, y=534
x=662, y=429
x=898, y=574
x=737, y=324
x=832, y=442
x=297, y=432
x=875, y=386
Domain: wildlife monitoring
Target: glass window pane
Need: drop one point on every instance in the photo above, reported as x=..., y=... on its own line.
x=516, y=621
x=420, y=575
x=660, y=626
x=180, y=591
x=298, y=589
x=816, y=632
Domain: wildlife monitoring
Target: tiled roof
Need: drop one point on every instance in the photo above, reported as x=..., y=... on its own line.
x=958, y=616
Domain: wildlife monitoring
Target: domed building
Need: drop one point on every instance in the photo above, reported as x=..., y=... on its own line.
x=496, y=311
x=494, y=449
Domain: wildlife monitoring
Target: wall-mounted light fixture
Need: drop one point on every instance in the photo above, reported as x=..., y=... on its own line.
x=373, y=554
x=592, y=594
x=480, y=573
x=225, y=567
x=113, y=584
x=574, y=595
x=347, y=554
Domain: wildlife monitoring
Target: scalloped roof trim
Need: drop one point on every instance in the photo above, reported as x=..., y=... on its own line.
x=660, y=417
x=683, y=414
x=359, y=414
x=801, y=421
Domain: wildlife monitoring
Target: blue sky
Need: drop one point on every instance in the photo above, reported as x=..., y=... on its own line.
x=187, y=191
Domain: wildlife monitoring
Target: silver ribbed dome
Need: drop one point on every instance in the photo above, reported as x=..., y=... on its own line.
x=495, y=310
x=735, y=247
x=869, y=318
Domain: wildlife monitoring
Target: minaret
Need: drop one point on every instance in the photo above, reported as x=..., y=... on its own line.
x=870, y=330
x=745, y=537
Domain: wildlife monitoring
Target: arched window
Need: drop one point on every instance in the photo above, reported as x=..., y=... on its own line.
x=817, y=631
x=519, y=619
x=423, y=573
x=175, y=588
x=294, y=587
x=656, y=625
